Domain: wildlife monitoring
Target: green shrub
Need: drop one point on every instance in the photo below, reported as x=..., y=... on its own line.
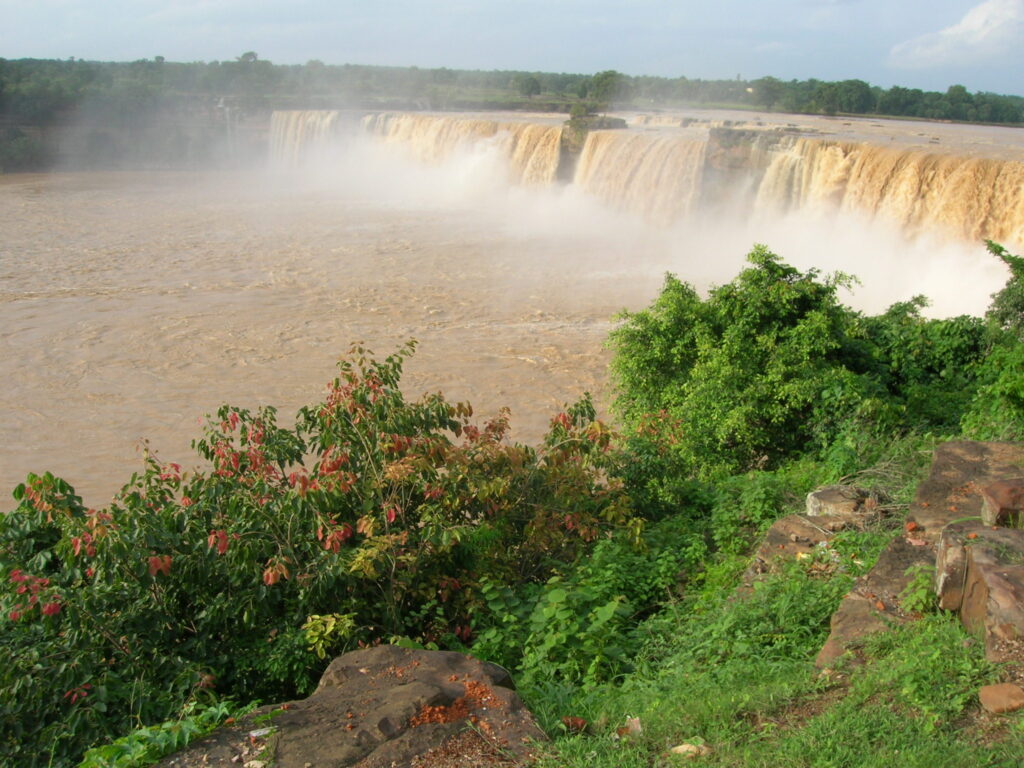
x=771, y=367
x=741, y=376
x=380, y=512
x=580, y=627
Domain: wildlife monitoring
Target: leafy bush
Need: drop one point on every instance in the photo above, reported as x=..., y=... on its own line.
x=580, y=627
x=744, y=376
x=144, y=746
x=996, y=411
x=372, y=518
x=1006, y=313
x=770, y=367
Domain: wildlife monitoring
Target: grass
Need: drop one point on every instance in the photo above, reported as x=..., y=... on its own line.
x=738, y=675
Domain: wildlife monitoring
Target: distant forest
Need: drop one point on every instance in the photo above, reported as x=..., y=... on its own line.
x=37, y=94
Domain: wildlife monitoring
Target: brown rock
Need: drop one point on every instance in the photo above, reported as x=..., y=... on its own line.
x=788, y=538
x=980, y=573
x=389, y=706
x=689, y=751
x=1000, y=698
x=1002, y=502
x=949, y=496
x=959, y=469
x=837, y=501
x=860, y=612
x=951, y=565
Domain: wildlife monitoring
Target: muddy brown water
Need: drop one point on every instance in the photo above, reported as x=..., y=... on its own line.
x=132, y=304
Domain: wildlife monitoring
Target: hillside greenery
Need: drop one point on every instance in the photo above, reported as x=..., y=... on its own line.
x=599, y=566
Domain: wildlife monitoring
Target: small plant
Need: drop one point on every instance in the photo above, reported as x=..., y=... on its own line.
x=144, y=746
x=919, y=594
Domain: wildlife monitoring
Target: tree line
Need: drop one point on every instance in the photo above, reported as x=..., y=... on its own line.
x=41, y=91
x=37, y=94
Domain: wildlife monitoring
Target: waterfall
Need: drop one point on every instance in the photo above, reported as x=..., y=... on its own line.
x=654, y=175
x=967, y=198
x=293, y=133
x=670, y=173
x=531, y=149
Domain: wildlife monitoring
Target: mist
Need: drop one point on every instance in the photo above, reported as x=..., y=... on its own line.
x=135, y=303
x=595, y=241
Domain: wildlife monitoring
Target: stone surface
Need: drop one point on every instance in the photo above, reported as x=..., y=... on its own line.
x=1002, y=502
x=873, y=603
x=1000, y=698
x=951, y=565
x=689, y=750
x=837, y=500
x=951, y=492
x=949, y=496
x=993, y=593
x=386, y=707
x=790, y=537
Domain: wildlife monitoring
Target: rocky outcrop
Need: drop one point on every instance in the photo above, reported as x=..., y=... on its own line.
x=980, y=573
x=873, y=603
x=1002, y=502
x=839, y=501
x=384, y=707
x=979, y=568
x=959, y=470
x=829, y=510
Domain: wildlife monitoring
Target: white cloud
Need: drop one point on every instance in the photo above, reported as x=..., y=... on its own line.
x=986, y=32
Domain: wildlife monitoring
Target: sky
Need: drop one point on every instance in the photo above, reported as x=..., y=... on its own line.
x=928, y=44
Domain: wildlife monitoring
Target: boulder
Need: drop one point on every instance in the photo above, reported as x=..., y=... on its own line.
x=1001, y=698
x=837, y=500
x=1002, y=502
x=385, y=707
x=980, y=573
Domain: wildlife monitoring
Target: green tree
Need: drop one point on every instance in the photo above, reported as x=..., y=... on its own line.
x=747, y=376
x=855, y=96
x=526, y=85
x=768, y=91
x=606, y=87
x=826, y=98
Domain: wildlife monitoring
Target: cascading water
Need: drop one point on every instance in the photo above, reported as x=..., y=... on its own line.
x=966, y=198
x=293, y=133
x=531, y=149
x=656, y=176
x=668, y=174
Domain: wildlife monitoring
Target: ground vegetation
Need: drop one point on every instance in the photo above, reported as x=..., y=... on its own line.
x=601, y=567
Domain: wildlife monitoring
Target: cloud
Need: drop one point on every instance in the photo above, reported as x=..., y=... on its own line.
x=986, y=32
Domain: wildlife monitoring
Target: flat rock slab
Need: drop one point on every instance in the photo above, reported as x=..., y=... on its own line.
x=790, y=537
x=384, y=707
x=1001, y=698
x=873, y=603
x=960, y=470
x=951, y=494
